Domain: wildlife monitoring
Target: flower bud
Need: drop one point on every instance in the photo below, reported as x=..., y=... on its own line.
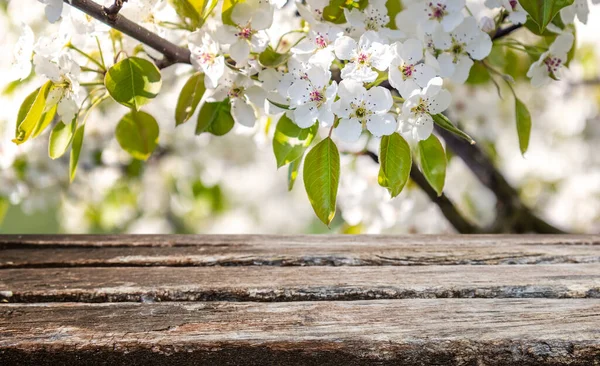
x=487, y=24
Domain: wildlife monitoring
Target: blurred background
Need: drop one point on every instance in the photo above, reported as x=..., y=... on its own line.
x=230, y=184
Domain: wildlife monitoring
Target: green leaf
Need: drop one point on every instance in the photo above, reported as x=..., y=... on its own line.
x=543, y=11
x=393, y=8
x=194, y=11
x=45, y=121
x=208, y=8
x=76, y=151
x=187, y=11
x=293, y=170
x=523, y=124
x=189, y=98
x=226, y=11
x=60, y=138
x=395, y=162
x=290, y=141
x=433, y=162
x=32, y=114
x=445, y=123
x=133, y=82
x=321, y=179
x=334, y=12
x=270, y=58
x=215, y=118
x=4, y=206
x=282, y=106
x=137, y=133
x=25, y=107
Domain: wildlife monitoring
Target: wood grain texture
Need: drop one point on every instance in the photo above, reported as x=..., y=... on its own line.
x=232, y=250
x=399, y=332
x=300, y=300
x=256, y=283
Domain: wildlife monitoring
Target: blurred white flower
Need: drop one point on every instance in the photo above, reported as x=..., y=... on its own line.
x=21, y=67
x=550, y=63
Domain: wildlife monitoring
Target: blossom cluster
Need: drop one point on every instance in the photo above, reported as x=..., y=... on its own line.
x=335, y=72
x=356, y=70
x=348, y=67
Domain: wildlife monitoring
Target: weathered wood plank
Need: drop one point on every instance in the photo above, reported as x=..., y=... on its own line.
x=150, y=250
x=399, y=332
x=256, y=283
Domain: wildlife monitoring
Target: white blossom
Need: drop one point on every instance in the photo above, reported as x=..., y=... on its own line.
x=65, y=92
x=373, y=18
x=21, y=66
x=243, y=95
x=312, y=11
x=432, y=15
x=550, y=63
x=370, y=52
x=206, y=56
x=318, y=44
x=359, y=107
x=460, y=47
x=487, y=24
x=251, y=18
x=408, y=70
x=312, y=98
x=53, y=9
x=516, y=13
x=415, y=119
x=579, y=9
x=296, y=70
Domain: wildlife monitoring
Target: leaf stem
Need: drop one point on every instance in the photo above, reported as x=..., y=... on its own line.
x=71, y=46
x=100, y=51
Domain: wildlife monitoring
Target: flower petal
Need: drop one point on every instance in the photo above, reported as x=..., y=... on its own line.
x=242, y=112
x=349, y=130
x=379, y=99
x=306, y=115
x=239, y=51
x=345, y=47
x=439, y=102
x=380, y=125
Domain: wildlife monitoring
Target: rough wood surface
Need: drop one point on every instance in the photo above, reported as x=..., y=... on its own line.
x=298, y=283
x=231, y=250
x=251, y=300
x=400, y=332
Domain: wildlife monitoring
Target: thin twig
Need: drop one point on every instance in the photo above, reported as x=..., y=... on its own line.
x=172, y=53
x=114, y=9
x=506, y=31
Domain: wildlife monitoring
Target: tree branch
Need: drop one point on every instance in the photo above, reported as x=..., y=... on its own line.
x=446, y=206
x=172, y=53
x=513, y=215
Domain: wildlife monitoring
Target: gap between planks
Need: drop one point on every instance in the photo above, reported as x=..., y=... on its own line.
x=257, y=283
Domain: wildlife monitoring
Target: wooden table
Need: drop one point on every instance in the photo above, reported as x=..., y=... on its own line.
x=299, y=300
